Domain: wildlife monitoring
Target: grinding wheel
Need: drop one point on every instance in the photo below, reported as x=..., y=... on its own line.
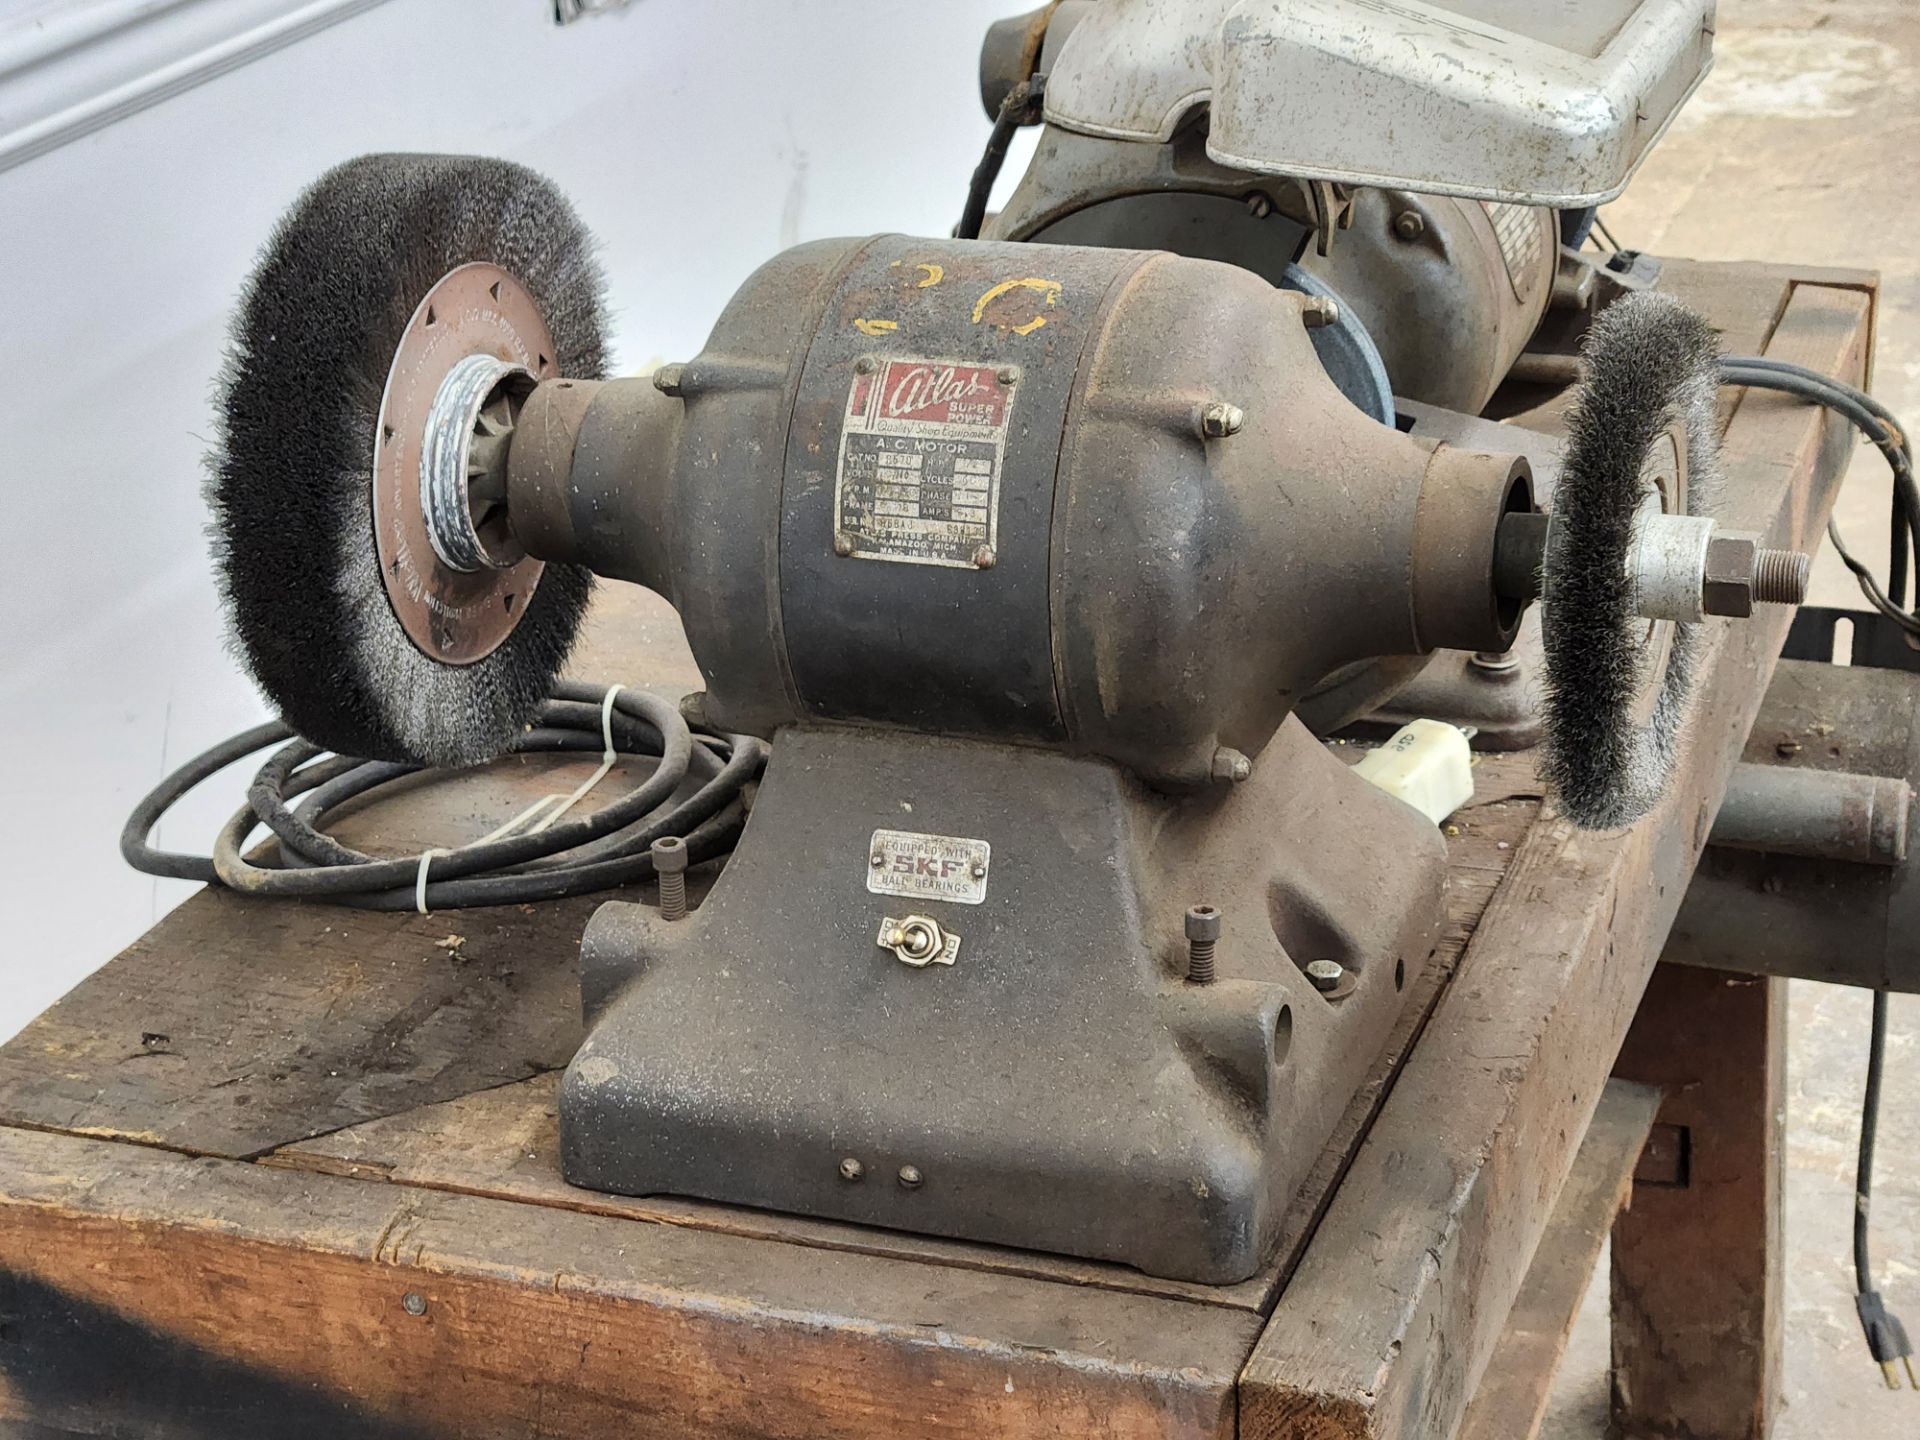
x=400, y=289
x=1643, y=434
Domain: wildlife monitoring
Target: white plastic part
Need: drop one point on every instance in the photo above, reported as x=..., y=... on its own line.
x=1427, y=763
x=1540, y=102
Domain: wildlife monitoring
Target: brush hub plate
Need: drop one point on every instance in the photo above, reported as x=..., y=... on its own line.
x=451, y=615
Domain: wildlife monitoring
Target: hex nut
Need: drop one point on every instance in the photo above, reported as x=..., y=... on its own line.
x=1230, y=764
x=1219, y=419
x=1409, y=225
x=1319, y=310
x=1326, y=975
x=1726, y=585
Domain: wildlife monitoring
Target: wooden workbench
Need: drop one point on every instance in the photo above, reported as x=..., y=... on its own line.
x=289, y=1170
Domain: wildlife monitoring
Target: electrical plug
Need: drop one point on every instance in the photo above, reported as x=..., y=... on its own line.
x=1886, y=1338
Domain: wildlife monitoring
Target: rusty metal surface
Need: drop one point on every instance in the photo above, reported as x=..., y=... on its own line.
x=1829, y=919
x=1819, y=814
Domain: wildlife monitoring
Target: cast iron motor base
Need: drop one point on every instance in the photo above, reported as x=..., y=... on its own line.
x=1061, y=1085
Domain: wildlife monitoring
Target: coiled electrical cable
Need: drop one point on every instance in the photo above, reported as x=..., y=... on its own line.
x=608, y=847
x=1886, y=1336
x=1877, y=423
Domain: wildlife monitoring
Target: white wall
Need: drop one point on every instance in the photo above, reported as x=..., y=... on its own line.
x=696, y=137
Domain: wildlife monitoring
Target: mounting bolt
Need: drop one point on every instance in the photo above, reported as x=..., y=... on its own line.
x=669, y=854
x=1326, y=975
x=1787, y=749
x=851, y=1170
x=1409, y=225
x=842, y=543
x=1494, y=662
x=1259, y=205
x=1203, y=933
x=1230, y=764
x=1780, y=576
x=1219, y=419
x=693, y=707
x=984, y=557
x=910, y=1177
x=414, y=1303
x=670, y=379
x=863, y=366
x=1317, y=311
x=1008, y=375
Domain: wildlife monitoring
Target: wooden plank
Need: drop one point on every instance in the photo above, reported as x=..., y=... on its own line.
x=237, y=1025
x=149, y=1293
x=1698, y=1285
x=1388, y=1322
x=504, y=1142
x=1512, y=1398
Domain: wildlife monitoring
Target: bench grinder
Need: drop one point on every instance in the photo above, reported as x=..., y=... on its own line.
x=1021, y=556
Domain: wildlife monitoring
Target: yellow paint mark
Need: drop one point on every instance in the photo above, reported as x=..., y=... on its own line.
x=1048, y=290
x=935, y=274
x=876, y=327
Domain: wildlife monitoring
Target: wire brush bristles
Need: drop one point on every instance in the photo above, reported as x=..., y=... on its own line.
x=1650, y=363
x=289, y=482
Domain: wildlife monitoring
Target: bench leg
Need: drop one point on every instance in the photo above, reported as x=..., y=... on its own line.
x=1697, y=1259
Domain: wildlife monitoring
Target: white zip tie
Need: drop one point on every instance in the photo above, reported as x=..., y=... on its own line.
x=420, y=880
x=608, y=757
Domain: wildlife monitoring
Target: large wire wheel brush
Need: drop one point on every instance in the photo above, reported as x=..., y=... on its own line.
x=400, y=313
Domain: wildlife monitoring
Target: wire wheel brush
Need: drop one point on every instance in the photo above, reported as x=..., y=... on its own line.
x=399, y=314
x=1642, y=440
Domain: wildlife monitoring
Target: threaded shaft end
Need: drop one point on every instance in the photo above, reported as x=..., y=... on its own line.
x=1780, y=576
x=1200, y=962
x=673, y=895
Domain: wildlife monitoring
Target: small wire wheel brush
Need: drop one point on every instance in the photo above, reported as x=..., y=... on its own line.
x=400, y=314
x=1621, y=656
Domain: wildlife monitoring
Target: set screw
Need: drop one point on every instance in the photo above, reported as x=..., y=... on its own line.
x=670, y=864
x=1203, y=933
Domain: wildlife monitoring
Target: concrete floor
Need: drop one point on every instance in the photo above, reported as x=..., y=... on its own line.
x=1804, y=144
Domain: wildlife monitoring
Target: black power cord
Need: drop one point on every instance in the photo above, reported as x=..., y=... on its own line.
x=608, y=847
x=1021, y=107
x=1886, y=1337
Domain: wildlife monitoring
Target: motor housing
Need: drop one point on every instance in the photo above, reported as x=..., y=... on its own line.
x=1104, y=501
